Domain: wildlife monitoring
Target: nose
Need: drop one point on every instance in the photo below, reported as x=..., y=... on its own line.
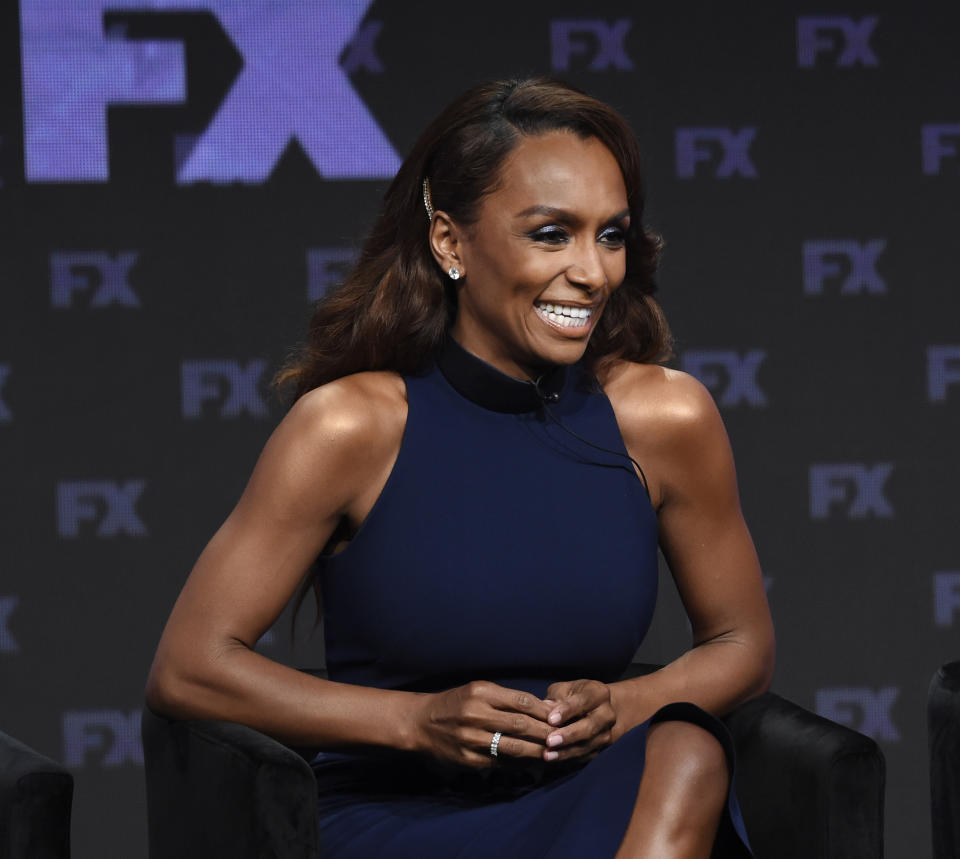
x=586, y=269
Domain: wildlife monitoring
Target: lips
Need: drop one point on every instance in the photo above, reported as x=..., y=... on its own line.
x=565, y=317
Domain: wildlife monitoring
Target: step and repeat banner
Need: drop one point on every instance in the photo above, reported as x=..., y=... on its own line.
x=180, y=179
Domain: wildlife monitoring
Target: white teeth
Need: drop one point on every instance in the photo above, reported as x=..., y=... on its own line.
x=579, y=320
x=566, y=311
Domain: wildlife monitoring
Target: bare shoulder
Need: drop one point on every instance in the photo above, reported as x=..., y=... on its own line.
x=660, y=404
x=361, y=408
x=337, y=438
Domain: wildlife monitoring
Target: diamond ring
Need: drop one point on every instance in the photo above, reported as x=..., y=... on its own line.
x=494, y=743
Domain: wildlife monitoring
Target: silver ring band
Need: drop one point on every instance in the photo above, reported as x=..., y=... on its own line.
x=494, y=743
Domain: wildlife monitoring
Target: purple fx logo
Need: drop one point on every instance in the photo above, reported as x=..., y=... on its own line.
x=727, y=150
x=866, y=710
x=943, y=370
x=104, y=276
x=939, y=142
x=110, y=505
x=233, y=386
x=845, y=261
x=856, y=489
x=730, y=376
x=603, y=43
x=110, y=737
x=847, y=39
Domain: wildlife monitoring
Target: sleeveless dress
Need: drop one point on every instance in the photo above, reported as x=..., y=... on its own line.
x=505, y=546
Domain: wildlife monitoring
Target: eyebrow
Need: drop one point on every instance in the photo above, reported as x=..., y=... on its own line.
x=566, y=216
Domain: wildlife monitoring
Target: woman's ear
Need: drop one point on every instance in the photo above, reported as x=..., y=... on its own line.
x=446, y=243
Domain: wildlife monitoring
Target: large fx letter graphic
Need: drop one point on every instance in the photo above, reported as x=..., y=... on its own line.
x=291, y=87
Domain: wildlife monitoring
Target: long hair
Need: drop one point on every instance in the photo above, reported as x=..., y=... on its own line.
x=393, y=309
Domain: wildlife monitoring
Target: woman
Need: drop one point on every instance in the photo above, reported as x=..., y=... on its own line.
x=464, y=456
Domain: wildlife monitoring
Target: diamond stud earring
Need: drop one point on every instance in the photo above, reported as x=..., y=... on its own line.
x=454, y=274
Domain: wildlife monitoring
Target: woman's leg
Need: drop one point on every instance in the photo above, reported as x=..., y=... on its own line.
x=681, y=797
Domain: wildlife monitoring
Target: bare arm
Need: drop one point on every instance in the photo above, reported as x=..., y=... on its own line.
x=335, y=443
x=674, y=427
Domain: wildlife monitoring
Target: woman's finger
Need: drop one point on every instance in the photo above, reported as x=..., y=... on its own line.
x=587, y=748
x=595, y=722
x=478, y=741
x=510, y=700
x=580, y=701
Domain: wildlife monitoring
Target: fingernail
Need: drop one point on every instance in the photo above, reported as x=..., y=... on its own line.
x=554, y=740
x=551, y=756
x=554, y=718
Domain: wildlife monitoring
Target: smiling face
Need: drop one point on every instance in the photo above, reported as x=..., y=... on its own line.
x=543, y=256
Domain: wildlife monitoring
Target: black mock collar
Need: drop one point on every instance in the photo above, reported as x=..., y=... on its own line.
x=493, y=389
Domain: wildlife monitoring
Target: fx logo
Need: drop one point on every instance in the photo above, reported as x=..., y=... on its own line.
x=8, y=644
x=818, y=34
x=6, y=416
x=728, y=149
x=861, y=708
x=943, y=370
x=228, y=383
x=946, y=597
x=854, y=487
x=292, y=86
x=103, y=275
x=732, y=379
x=112, y=735
x=846, y=260
x=939, y=142
x=109, y=504
x=326, y=267
x=570, y=37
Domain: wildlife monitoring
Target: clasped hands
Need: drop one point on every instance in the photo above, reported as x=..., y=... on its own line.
x=576, y=719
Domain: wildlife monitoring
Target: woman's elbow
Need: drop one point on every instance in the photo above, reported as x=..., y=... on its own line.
x=163, y=692
x=765, y=650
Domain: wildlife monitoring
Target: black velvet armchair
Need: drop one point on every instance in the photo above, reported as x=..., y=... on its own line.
x=36, y=796
x=807, y=787
x=943, y=722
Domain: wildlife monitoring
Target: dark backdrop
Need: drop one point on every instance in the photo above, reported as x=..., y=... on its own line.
x=179, y=178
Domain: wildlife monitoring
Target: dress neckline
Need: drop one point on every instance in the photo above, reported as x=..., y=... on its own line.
x=487, y=386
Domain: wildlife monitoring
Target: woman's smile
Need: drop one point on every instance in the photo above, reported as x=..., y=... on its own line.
x=569, y=320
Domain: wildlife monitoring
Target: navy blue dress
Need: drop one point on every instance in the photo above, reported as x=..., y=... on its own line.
x=501, y=548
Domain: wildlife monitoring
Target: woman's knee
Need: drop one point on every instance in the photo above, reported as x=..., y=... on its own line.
x=692, y=756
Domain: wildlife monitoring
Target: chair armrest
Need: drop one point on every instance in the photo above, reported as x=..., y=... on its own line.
x=943, y=726
x=36, y=796
x=808, y=786
x=220, y=789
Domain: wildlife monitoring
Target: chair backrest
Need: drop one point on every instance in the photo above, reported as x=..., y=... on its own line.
x=943, y=727
x=36, y=798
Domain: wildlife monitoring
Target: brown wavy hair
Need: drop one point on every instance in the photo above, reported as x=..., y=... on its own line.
x=393, y=309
